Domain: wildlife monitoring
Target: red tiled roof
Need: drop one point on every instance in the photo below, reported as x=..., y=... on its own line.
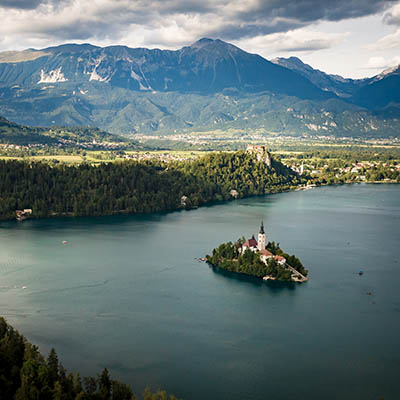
x=250, y=243
x=279, y=258
x=266, y=253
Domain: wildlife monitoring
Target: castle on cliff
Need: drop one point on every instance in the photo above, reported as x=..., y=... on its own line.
x=261, y=153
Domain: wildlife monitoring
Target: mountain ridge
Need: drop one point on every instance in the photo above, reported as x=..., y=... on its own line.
x=208, y=85
x=208, y=66
x=342, y=87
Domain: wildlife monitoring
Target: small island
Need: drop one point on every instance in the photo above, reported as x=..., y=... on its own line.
x=256, y=258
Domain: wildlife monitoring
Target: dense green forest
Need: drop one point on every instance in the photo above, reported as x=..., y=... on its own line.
x=136, y=187
x=227, y=256
x=26, y=375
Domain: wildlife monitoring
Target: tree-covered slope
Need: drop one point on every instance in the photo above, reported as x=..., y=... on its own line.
x=132, y=187
x=25, y=374
x=122, y=111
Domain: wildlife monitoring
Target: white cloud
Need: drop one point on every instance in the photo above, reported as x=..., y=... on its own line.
x=390, y=41
x=378, y=62
x=299, y=40
x=392, y=17
x=170, y=22
x=382, y=63
x=267, y=27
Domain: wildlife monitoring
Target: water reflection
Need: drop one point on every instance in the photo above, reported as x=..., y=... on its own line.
x=254, y=281
x=126, y=293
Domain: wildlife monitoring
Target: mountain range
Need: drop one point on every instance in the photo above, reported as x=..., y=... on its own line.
x=206, y=86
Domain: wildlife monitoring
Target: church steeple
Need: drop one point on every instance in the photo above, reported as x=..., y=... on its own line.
x=261, y=238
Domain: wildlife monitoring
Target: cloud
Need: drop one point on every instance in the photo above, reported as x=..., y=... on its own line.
x=382, y=63
x=391, y=41
x=377, y=62
x=392, y=17
x=100, y=20
x=265, y=17
x=299, y=40
x=172, y=22
x=31, y=4
x=20, y=4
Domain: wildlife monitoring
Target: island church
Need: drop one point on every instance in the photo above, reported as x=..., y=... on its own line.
x=259, y=246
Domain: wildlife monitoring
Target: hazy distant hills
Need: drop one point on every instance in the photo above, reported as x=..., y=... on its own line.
x=332, y=83
x=208, y=85
x=382, y=91
x=12, y=133
x=373, y=93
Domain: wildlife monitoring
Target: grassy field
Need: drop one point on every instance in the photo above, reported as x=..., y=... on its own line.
x=68, y=159
x=98, y=157
x=288, y=151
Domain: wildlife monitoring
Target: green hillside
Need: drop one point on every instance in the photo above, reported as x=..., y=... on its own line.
x=136, y=187
x=25, y=374
x=122, y=111
x=12, y=133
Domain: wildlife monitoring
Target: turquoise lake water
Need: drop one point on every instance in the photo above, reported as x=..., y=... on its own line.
x=126, y=293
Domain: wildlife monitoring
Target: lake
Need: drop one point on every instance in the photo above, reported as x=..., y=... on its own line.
x=126, y=293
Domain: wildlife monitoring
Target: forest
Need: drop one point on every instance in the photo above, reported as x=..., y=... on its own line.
x=26, y=375
x=131, y=187
x=227, y=256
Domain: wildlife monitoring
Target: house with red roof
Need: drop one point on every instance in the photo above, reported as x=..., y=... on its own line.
x=280, y=260
x=253, y=244
x=250, y=244
x=265, y=255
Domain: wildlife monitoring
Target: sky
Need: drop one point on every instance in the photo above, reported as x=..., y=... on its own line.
x=351, y=38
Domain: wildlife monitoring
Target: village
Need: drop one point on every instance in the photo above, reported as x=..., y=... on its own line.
x=341, y=172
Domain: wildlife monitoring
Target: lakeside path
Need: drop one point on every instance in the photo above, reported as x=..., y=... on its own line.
x=301, y=278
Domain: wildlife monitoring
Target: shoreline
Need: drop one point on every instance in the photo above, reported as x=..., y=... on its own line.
x=265, y=278
x=300, y=188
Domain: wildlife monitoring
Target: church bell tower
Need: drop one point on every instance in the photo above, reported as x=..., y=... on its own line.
x=261, y=238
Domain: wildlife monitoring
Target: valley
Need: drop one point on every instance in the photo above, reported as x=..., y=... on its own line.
x=199, y=200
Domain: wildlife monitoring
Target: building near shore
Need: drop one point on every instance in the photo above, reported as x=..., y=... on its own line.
x=260, y=247
x=23, y=214
x=250, y=244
